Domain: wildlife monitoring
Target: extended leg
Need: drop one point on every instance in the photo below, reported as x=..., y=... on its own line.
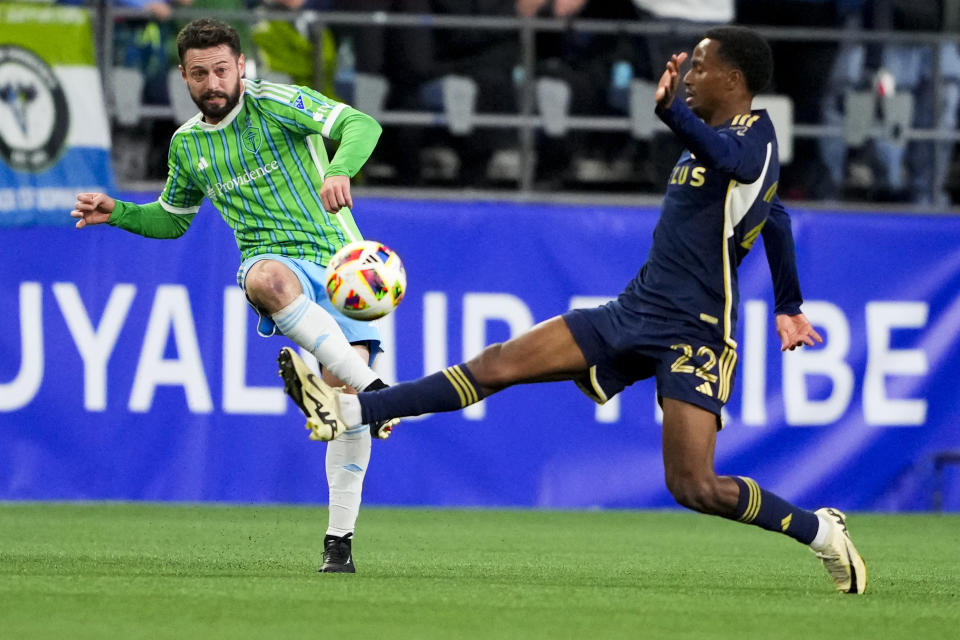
x=689, y=440
x=544, y=353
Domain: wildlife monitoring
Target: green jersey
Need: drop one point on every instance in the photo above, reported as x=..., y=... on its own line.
x=262, y=167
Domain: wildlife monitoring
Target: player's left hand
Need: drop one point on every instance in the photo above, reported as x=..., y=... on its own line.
x=335, y=193
x=796, y=331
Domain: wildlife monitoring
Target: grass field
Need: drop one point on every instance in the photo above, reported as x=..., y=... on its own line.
x=160, y=571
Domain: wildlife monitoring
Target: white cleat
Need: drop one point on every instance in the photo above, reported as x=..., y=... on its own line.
x=316, y=399
x=840, y=557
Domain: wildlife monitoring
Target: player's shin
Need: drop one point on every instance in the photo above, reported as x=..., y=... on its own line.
x=347, y=459
x=309, y=325
x=447, y=390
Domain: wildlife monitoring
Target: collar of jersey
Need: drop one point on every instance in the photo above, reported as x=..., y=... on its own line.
x=227, y=119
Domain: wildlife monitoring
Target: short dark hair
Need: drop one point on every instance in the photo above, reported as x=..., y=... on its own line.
x=204, y=33
x=746, y=50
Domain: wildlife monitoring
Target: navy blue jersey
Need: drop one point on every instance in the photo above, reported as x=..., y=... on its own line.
x=716, y=204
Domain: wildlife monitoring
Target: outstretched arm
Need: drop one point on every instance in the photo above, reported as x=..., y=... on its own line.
x=792, y=326
x=150, y=220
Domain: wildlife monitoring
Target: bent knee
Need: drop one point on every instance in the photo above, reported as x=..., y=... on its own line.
x=492, y=370
x=271, y=285
x=698, y=494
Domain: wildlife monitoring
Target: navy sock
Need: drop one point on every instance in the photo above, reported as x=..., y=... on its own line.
x=446, y=390
x=770, y=511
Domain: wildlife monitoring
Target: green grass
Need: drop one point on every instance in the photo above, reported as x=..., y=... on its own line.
x=162, y=571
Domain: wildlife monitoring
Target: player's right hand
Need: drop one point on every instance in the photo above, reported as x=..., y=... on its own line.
x=667, y=87
x=92, y=208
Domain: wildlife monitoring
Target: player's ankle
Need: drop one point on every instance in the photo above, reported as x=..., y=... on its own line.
x=350, y=409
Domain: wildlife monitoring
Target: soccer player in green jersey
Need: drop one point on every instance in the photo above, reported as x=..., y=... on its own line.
x=256, y=151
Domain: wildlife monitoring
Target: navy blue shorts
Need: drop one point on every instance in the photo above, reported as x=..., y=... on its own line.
x=622, y=346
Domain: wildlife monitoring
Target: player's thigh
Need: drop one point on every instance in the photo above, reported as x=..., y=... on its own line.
x=334, y=381
x=271, y=285
x=546, y=352
x=689, y=441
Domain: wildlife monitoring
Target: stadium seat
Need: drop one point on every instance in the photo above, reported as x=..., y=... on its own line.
x=643, y=120
x=553, y=103
x=127, y=88
x=860, y=108
x=370, y=93
x=459, y=103
x=780, y=109
x=180, y=100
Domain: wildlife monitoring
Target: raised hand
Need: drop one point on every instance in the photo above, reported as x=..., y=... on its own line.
x=92, y=208
x=667, y=87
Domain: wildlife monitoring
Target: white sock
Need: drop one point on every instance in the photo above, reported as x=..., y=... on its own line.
x=347, y=460
x=350, y=409
x=823, y=531
x=310, y=326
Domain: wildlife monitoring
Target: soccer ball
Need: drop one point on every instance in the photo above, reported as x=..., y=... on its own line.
x=365, y=280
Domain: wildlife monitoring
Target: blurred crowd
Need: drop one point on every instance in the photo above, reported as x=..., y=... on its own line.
x=452, y=70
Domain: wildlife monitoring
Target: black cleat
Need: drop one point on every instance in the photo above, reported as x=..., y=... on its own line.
x=337, y=554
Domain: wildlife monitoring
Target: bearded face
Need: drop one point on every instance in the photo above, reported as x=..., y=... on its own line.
x=214, y=104
x=214, y=78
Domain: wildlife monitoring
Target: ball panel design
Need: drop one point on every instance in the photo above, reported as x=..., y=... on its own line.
x=365, y=280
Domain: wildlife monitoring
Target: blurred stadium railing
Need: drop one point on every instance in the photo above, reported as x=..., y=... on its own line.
x=542, y=101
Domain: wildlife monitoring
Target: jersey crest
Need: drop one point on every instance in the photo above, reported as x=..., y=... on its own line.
x=251, y=139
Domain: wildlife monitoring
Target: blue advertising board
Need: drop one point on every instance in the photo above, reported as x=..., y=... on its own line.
x=130, y=368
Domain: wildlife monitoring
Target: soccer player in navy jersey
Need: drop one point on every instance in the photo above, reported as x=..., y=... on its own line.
x=676, y=319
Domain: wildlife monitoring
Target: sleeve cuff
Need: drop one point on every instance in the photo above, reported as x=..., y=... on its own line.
x=788, y=310
x=169, y=208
